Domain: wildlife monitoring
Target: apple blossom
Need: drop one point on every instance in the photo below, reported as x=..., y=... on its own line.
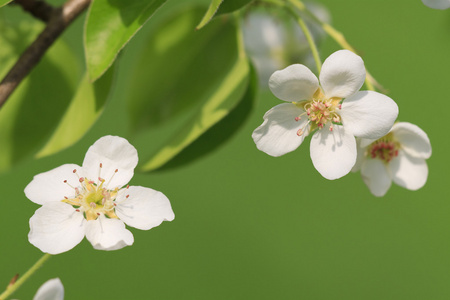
x=437, y=4
x=336, y=112
x=94, y=201
x=399, y=156
x=274, y=40
x=50, y=290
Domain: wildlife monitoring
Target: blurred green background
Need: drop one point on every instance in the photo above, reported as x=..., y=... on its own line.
x=250, y=226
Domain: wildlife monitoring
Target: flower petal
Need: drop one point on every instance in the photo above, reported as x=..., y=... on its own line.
x=108, y=234
x=360, y=157
x=277, y=135
x=113, y=153
x=409, y=172
x=51, y=290
x=437, y=4
x=145, y=208
x=343, y=74
x=49, y=186
x=333, y=153
x=376, y=176
x=412, y=139
x=369, y=114
x=56, y=227
x=293, y=83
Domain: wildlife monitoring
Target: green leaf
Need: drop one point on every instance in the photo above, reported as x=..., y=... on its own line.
x=35, y=108
x=110, y=24
x=84, y=110
x=4, y=2
x=212, y=9
x=221, y=132
x=185, y=81
x=229, y=6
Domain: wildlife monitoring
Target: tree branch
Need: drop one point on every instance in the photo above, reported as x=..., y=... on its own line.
x=38, y=8
x=60, y=19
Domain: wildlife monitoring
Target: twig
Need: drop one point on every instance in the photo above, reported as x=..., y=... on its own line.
x=58, y=22
x=38, y=8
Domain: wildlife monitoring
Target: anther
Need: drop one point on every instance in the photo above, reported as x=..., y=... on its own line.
x=299, y=132
x=74, y=170
x=92, y=204
x=101, y=165
x=331, y=127
x=81, y=179
x=127, y=196
x=297, y=118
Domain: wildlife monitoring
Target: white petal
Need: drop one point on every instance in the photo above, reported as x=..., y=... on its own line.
x=343, y=74
x=293, y=83
x=376, y=176
x=108, y=234
x=437, y=4
x=113, y=153
x=412, y=139
x=369, y=114
x=277, y=135
x=145, y=208
x=360, y=157
x=50, y=186
x=333, y=153
x=409, y=172
x=50, y=290
x=364, y=143
x=56, y=227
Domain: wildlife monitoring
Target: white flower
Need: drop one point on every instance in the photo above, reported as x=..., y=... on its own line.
x=336, y=111
x=437, y=4
x=50, y=290
x=399, y=156
x=94, y=200
x=274, y=40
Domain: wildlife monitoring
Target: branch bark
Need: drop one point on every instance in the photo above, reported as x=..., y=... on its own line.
x=60, y=19
x=38, y=8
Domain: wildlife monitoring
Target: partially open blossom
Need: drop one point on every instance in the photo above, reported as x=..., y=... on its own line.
x=50, y=290
x=437, y=4
x=94, y=201
x=399, y=156
x=336, y=112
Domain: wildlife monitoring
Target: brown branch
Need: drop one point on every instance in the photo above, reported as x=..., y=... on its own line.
x=38, y=8
x=61, y=18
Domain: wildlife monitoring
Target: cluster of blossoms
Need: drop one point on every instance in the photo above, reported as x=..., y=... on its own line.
x=94, y=201
x=340, y=116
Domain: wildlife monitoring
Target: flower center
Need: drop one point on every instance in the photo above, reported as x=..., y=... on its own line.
x=385, y=148
x=320, y=111
x=94, y=198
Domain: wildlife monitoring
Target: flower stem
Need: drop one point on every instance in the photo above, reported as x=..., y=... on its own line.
x=308, y=36
x=14, y=286
x=339, y=38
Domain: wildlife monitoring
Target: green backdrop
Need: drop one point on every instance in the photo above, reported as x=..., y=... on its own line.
x=250, y=226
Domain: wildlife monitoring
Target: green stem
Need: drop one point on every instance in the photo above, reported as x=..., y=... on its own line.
x=308, y=36
x=339, y=38
x=13, y=287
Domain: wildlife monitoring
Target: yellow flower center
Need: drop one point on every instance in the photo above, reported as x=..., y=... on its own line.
x=320, y=111
x=93, y=198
